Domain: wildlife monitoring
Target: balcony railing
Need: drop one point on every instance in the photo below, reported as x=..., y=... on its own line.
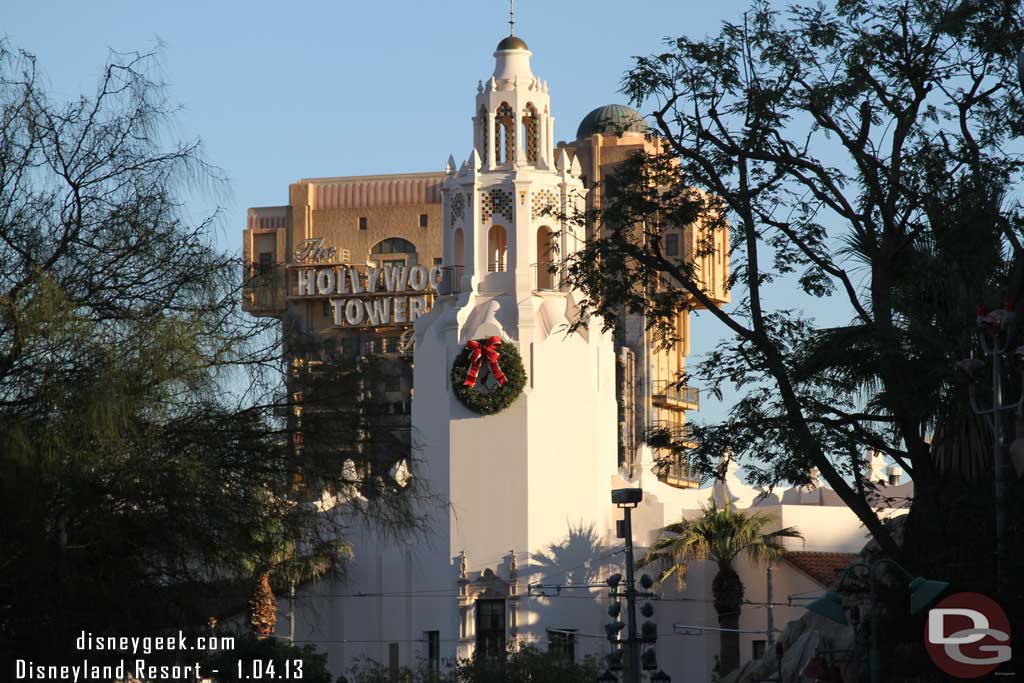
x=675, y=470
x=661, y=432
x=670, y=442
x=451, y=280
x=670, y=394
x=264, y=289
x=548, y=276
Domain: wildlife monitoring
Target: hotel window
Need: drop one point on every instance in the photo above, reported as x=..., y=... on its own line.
x=490, y=627
x=758, y=648
x=394, y=245
x=266, y=262
x=563, y=643
x=438, y=260
x=672, y=244
x=424, y=220
x=433, y=639
x=363, y=224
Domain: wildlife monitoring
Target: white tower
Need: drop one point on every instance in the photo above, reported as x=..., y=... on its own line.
x=519, y=478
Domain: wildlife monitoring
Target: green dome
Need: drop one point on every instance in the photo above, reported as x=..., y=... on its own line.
x=513, y=43
x=612, y=118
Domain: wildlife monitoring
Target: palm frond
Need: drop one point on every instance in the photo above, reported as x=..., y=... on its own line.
x=719, y=534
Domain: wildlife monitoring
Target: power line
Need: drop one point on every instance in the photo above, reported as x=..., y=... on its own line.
x=454, y=593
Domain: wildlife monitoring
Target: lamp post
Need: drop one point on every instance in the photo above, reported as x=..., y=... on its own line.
x=922, y=593
x=627, y=499
x=995, y=336
x=633, y=664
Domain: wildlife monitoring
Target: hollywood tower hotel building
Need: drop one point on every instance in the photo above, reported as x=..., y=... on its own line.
x=467, y=255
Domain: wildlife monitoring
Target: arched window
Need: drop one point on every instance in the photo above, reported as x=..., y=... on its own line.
x=459, y=249
x=497, y=249
x=531, y=133
x=484, y=143
x=546, y=256
x=504, y=134
x=394, y=245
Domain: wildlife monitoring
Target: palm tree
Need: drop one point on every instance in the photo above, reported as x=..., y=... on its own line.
x=720, y=534
x=284, y=562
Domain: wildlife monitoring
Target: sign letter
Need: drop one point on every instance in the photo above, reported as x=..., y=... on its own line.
x=306, y=279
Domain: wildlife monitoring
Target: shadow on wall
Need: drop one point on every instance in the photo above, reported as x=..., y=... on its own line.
x=579, y=559
x=568, y=593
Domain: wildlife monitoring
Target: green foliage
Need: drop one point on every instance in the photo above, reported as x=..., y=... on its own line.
x=720, y=534
x=526, y=664
x=152, y=455
x=489, y=401
x=266, y=651
x=849, y=163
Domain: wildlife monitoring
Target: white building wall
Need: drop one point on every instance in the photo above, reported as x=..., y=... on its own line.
x=534, y=481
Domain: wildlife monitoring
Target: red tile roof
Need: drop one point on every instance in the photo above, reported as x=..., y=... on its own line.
x=822, y=567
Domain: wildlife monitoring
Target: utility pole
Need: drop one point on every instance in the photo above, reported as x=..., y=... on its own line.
x=995, y=337
x=633, y=663
x=633, y=645
x=769, y=607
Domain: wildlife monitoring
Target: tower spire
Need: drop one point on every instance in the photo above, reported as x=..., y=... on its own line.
x=512, y=18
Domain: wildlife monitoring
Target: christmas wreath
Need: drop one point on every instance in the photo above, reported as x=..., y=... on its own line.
x=488, y=375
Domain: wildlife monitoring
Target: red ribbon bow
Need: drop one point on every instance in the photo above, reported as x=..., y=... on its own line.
x=488, y=349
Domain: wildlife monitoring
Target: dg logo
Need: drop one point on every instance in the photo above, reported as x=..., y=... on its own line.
x=967, y=635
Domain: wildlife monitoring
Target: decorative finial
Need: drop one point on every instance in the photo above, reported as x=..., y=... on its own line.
x=512, y=19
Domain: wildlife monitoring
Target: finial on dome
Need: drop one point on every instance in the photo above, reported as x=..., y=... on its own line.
x=513, y=42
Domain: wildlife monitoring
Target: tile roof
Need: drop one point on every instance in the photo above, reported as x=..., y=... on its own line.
x=822, y=567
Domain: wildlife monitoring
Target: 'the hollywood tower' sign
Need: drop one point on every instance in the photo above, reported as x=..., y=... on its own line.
x=367, y=295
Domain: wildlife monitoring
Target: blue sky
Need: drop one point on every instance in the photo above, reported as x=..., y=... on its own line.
x=281, y=91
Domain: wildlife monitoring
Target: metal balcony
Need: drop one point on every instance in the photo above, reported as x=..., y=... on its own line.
x=671, y=395
x=672, y=465
x=675, y=470
x=264, y=289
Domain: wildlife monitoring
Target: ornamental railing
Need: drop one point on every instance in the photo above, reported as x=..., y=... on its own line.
x=660, y=433
x=671, y=442
x=675, y=470
x=669, y=393
x=264, y=289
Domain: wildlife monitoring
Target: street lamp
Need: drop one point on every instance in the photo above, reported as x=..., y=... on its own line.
x=627, y=499
x=995, y=335
x=922, y=593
